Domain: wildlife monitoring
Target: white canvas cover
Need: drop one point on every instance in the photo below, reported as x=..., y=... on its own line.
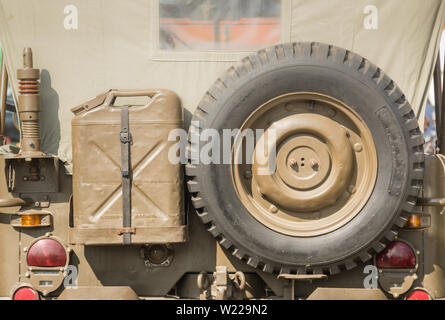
x=116, y=45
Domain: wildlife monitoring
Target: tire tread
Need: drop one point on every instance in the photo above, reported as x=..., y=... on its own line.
x=368, y=70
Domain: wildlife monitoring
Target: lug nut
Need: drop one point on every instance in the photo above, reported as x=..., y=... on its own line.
x=358, y=147
x=292, y=163
x=314, y=164
x=352, y=189
x=273, y=209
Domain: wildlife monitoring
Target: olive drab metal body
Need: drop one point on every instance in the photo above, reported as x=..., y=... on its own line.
x=107, y=197
x=157, y=195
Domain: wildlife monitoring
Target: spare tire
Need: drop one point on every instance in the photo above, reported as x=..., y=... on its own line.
x=349, y=160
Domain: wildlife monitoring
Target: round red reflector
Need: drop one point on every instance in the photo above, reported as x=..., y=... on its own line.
x=396, y=255
x=25, y=293
x=47, y=253
x=418, y=295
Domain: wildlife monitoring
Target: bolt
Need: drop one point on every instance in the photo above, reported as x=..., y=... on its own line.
x=25, y=249
x=25, y=178
x=273, y=209
x=42, y=178
x=358, y=147
x=27, y=275
x=37, y=204
x=314, y=164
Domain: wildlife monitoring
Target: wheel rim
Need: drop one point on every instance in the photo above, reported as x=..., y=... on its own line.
x=326, y=164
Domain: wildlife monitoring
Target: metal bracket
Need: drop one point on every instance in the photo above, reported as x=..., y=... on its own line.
x=34, y=174
x=289, y=288
x=223, y=285
x=433, y=202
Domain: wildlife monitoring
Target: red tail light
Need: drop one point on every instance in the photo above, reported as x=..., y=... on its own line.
x=47, y=253
x=396, y=255
x=418, y=295
x=25, y=293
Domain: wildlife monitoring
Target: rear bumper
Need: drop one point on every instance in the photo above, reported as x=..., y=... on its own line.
x=347, y=294
x=98, y=293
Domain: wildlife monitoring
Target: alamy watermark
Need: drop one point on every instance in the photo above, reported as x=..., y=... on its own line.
x=371, y=21
x=71, y=21
x=371, y=280
x=70, y=280
x=213, y=146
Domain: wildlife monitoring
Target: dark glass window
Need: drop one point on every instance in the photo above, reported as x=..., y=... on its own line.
x=212, y=25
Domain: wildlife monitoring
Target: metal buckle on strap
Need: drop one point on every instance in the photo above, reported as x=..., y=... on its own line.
x=126, y=231
x=125, y=135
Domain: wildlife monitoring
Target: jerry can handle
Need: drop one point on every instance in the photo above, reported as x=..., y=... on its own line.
x=113, y=94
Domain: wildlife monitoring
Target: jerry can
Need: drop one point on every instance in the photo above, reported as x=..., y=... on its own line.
x=125, y=189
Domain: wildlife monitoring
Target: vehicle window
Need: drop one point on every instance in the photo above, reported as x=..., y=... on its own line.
x=215, y=25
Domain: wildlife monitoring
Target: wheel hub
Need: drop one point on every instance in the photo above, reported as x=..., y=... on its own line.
x=303, y=162
x=317, y=173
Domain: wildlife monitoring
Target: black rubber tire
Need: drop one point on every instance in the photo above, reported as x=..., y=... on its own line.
x=310, y=67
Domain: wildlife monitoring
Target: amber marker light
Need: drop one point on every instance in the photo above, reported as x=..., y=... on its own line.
x=30, y=220
x=418, y=221
x=413, y=221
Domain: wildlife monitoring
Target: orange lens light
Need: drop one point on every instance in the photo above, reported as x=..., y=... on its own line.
x=30, y=220
x=413, y=221
x=418, y=221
